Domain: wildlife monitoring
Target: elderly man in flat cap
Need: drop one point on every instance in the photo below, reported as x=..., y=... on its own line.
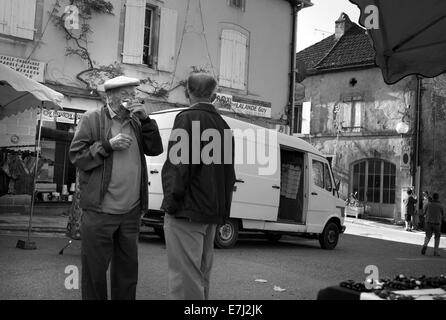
x=109, y=149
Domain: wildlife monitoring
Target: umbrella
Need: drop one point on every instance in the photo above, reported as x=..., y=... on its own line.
x=409, y=37
x=17, y=94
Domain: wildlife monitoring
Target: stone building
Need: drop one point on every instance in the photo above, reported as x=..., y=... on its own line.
x=359, y=121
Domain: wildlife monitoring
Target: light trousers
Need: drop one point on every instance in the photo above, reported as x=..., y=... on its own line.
x=190, y=255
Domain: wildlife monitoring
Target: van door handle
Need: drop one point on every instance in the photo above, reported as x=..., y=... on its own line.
x=276, y=187
x=239, y=181
x=154, y=172
x=314, y=193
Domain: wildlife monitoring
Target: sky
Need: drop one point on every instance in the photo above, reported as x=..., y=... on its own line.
x=322, y=16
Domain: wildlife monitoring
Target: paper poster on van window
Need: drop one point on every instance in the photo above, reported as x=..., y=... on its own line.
x=290, y=180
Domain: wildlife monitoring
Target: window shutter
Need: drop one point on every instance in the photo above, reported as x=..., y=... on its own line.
x=233, y=59
x=23, y=18
x=239, y=65
x=358, y=114
x=306, y=117
x=135, y=12
x=5, y=16
x=167, y=39
x=226, y=58
x=347, y=118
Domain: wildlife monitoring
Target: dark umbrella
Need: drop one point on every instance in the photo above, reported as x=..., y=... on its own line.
x=410, y=37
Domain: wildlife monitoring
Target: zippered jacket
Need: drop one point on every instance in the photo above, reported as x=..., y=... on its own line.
x=198, y=189
x=91, y=152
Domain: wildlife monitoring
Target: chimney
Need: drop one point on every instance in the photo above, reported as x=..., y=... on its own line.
x=342, y=25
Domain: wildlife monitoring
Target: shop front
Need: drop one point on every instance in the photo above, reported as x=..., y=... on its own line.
x=56, y=176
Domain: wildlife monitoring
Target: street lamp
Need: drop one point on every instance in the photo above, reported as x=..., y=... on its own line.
x=402, y=128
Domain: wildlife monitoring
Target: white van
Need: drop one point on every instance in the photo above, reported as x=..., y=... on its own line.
x=299, y=197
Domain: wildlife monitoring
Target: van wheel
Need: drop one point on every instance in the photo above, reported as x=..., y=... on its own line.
x=273, y=237
x=226, y=235
x=328, y=239
x=159, y=232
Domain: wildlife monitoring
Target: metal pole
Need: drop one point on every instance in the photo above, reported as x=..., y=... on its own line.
x=417, y=176
x=37, y=149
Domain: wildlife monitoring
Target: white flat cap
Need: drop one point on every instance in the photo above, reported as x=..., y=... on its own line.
x=120, y=81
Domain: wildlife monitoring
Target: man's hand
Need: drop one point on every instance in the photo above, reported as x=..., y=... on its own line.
x=138, y=110
x=121, y=142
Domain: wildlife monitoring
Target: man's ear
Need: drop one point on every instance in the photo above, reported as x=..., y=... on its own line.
x=213, y=97
x=186, y=93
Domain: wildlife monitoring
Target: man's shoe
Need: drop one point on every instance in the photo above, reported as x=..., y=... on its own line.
x=423, y=251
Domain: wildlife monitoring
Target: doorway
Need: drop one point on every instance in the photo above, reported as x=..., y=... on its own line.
x=374, y=180
x=291, y=186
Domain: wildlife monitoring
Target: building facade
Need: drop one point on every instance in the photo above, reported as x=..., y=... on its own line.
x=74, y=51
x=350, y=114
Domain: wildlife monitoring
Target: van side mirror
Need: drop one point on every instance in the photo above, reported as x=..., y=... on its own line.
x=337, y=185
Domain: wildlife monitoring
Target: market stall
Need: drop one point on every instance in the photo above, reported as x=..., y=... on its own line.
x=18, y=94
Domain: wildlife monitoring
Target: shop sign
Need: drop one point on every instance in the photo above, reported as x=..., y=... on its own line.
x=243, y=105
x=60, y=116
x=30, y=68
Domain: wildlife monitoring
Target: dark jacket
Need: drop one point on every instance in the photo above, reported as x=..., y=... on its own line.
x=91, y=153
x=198, y=190
x=409, y=204
x=433, y=212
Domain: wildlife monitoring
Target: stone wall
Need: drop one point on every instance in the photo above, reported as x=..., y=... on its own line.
x=433, y=133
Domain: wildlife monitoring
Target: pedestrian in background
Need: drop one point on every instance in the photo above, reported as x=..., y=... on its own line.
x=197, y=195
x=434, y=216
x=423, y=201
x=109, y=150
x=409, y=205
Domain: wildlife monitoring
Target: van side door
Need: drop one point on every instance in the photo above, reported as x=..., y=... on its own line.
x=320, y=193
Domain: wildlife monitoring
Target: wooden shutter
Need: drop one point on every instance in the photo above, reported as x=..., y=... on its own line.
x=135, y=13
x=167, y=39
x=347, y=116
x=233, y=59
x=23, y=18
x=5, y=16
x=358, y=114
x=239, y=63
x=306, y=117
x=226, y=58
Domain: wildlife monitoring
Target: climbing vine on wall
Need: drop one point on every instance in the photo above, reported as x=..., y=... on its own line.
x=74, y=22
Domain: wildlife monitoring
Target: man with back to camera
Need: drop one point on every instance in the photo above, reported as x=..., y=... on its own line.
x=197, y=195
x=109, y=149
x=434, y=215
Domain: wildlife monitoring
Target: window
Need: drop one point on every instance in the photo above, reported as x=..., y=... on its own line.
x=318, y=174
x=302, y=116
x=322, y=176
x=352, y=118
x=237, y=4
x=327, y=179
x=233, y=59
x=17, y=18
x=149, y=35
x=297, y=121
x=374, y=180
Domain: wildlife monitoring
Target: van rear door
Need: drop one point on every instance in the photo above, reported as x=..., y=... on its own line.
x=256, y=195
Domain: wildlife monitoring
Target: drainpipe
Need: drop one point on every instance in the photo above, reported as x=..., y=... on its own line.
x=417, y=173
x=295, y=8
